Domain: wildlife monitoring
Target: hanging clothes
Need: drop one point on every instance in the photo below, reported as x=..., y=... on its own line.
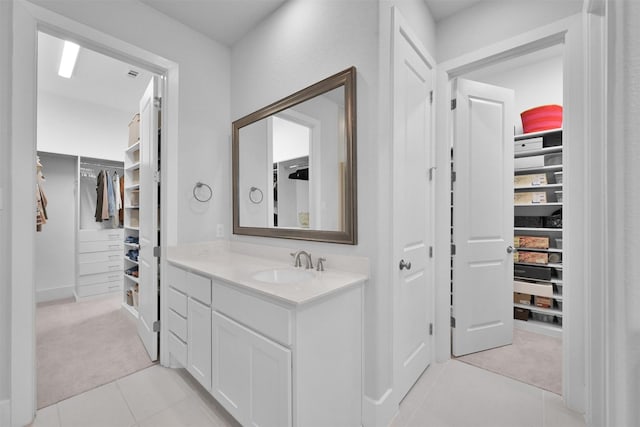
x=41, y=198
x=115, y=219
x=100, y=196
x=105, y=196
x=111, y=197
x=121, y=214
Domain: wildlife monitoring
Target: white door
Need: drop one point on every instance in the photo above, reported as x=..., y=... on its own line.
x=482, y=217
x=148, y=268
x=412, y=211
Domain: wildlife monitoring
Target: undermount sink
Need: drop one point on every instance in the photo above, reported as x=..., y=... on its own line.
x=283, y=276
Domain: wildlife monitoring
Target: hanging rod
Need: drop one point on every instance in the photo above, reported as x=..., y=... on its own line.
x=101, y=165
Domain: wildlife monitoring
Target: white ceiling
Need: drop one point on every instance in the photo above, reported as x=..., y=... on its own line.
x=97, y=78
x=441, y=9
x=225, y=21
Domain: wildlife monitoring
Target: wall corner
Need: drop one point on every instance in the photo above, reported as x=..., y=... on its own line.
x=379, y=412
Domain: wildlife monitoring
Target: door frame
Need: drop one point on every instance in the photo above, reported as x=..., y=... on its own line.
x=401, y=28
x=583, y=212
x=28, y=19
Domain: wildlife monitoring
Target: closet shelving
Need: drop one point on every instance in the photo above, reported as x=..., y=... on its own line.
x=546, y=320
x=131, y=222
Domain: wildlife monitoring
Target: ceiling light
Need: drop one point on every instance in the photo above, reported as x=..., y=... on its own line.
x=68, y=61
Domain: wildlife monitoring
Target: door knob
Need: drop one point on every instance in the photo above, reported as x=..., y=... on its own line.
x=510, y=249
x=405, y=265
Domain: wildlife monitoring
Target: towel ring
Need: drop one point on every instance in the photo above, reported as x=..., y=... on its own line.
x=255, y=200
x=200, y=185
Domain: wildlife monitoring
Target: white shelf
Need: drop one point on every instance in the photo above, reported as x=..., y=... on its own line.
x=553, y=280
x=540, y=265
x=132, y=245
x=135, y=187
x=550, y=250
x=538, y=152
x=539, y=187
x=132, y=207
x=550, y=311
x=131, y=310
x=536, y=205
x=133, y=166
x=133, y=279
x=133, y=148
x=132, y=228
x=538, y=229
x=549, y=168
x=536, y=326
x=130, y=260
x=536, y=134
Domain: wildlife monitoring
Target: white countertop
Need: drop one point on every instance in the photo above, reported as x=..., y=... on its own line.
x=218, y=261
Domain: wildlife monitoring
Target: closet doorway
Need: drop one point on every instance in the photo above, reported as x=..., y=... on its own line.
x=98, y=168
x=508, y=305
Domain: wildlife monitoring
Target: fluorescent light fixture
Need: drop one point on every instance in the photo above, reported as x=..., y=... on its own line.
x=68, y=61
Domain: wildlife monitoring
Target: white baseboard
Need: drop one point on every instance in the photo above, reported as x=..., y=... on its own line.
x=379, y=413
x=5, y=413
x=53, y=294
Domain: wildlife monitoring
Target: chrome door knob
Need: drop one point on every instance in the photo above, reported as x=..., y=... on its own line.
x=405, y=265
x=510, y=249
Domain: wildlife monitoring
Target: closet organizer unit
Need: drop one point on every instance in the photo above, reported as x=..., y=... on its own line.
x=131, y=217
x=99, y=244
x=538, y=284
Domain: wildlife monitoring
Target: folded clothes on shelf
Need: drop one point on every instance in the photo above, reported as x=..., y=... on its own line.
x=132, y=254
x=132, y=239
x=133, y=271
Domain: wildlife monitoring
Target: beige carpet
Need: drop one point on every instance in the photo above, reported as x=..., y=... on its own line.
x=532, y=358
x=82, y=345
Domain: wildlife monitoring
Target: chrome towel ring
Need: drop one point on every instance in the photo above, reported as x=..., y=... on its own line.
x=195, y=192
x=256, y=200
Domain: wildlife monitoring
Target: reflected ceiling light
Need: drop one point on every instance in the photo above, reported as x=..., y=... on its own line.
x=68, y=61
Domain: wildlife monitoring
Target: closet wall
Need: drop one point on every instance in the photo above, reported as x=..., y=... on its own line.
x=55, y=244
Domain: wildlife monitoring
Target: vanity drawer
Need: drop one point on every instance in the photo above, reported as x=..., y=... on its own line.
x=178, y=302
x=99, y=256
x=177, y=278
x=102, y=246
x=262, y=316
x=100, y=267
x=199, y=287
x=178, y=349
x=178, y=325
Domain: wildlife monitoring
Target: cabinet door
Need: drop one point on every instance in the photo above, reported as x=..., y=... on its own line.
x=199, y=342
x=251, y=375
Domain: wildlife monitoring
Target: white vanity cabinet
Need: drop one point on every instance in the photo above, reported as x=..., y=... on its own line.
x=269, y=361
x=251, y=374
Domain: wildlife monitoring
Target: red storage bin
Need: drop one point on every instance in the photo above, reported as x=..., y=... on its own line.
x=541, y=118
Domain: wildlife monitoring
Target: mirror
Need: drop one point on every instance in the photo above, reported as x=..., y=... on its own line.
x=294, y=165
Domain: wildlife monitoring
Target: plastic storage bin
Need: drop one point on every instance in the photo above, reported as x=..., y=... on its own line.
x=541, y=118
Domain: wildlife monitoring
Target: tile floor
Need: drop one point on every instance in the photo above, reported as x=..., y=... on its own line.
x=451, y=394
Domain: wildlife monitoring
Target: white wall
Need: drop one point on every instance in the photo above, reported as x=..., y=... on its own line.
x=254, y=172
x=537, y=83
x=6, y=39
x=55, y=244
x=493, y=21
x=74, y=127
x=204, y=132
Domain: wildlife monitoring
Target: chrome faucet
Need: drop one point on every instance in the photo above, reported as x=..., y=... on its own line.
x=298, y=262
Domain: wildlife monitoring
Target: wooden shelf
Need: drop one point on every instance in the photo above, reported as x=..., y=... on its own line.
x=522, y=136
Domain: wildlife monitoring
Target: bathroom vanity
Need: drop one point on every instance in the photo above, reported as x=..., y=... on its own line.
x=275, y=345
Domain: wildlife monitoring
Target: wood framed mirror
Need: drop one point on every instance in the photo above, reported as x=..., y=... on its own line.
x=294, y=165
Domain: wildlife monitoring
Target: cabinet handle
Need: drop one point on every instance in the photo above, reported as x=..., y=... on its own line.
x=404, y=265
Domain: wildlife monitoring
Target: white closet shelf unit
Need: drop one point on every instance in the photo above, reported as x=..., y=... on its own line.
x=131, y=218
x=545, y=320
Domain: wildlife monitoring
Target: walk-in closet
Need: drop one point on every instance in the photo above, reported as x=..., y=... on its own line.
x=87, y=219
x=536, y=285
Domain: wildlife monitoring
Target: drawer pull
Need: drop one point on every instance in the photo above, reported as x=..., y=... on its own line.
x=114, y=267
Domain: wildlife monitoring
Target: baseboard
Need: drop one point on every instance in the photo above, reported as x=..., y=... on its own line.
x=5, y=412
x=53, y=294
x=379, y=413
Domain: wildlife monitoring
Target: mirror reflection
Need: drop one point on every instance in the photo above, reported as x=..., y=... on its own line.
x=294, y=165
